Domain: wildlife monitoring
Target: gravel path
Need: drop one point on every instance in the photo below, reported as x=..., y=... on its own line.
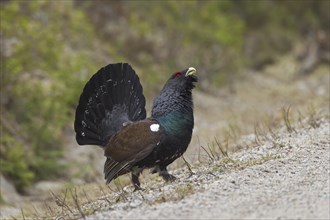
x=286, y=177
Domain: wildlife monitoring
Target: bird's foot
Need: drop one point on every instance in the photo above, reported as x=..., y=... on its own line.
x=164, y=173
x=155, y=170
x=167, y=177
x=137, y=188
x=135, y=179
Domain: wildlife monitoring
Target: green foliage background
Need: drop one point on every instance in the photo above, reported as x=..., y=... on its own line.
x=49, y=49
x=45, y=61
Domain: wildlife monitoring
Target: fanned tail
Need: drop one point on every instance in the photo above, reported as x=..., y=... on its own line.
x=111, y=98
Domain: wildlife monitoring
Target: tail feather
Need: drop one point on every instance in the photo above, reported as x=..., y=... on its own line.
x=113, y=169
x=111, y=97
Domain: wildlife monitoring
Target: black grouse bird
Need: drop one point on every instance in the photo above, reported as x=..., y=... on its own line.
x=111, y=113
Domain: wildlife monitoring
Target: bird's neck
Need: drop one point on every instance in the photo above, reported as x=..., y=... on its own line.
x=179, y=124
x=174, y=111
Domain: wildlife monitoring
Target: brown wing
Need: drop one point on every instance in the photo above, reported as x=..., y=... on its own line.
x=130, y=145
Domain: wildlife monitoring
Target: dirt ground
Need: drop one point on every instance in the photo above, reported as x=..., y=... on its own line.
x=284, y=178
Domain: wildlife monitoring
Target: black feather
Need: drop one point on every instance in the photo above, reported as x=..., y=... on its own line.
x=105, y=104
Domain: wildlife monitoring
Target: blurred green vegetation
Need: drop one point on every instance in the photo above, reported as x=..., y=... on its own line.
x=49, y=50
x=45, y=63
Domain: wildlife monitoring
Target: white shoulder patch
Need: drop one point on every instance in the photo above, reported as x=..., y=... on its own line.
x=154, y=127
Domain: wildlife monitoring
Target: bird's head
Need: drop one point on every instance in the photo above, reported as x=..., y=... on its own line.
x=184, y=79
x=175, y=100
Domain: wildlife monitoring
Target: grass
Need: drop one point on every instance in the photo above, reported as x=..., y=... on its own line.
x=287, y=121
x=257, y=161
x=180, y=192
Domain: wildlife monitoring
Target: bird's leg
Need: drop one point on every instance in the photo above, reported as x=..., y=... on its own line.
x=166, y=176
x=136, y=182
x=135, y=179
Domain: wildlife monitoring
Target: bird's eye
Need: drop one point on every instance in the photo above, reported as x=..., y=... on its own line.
x=177, y=74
